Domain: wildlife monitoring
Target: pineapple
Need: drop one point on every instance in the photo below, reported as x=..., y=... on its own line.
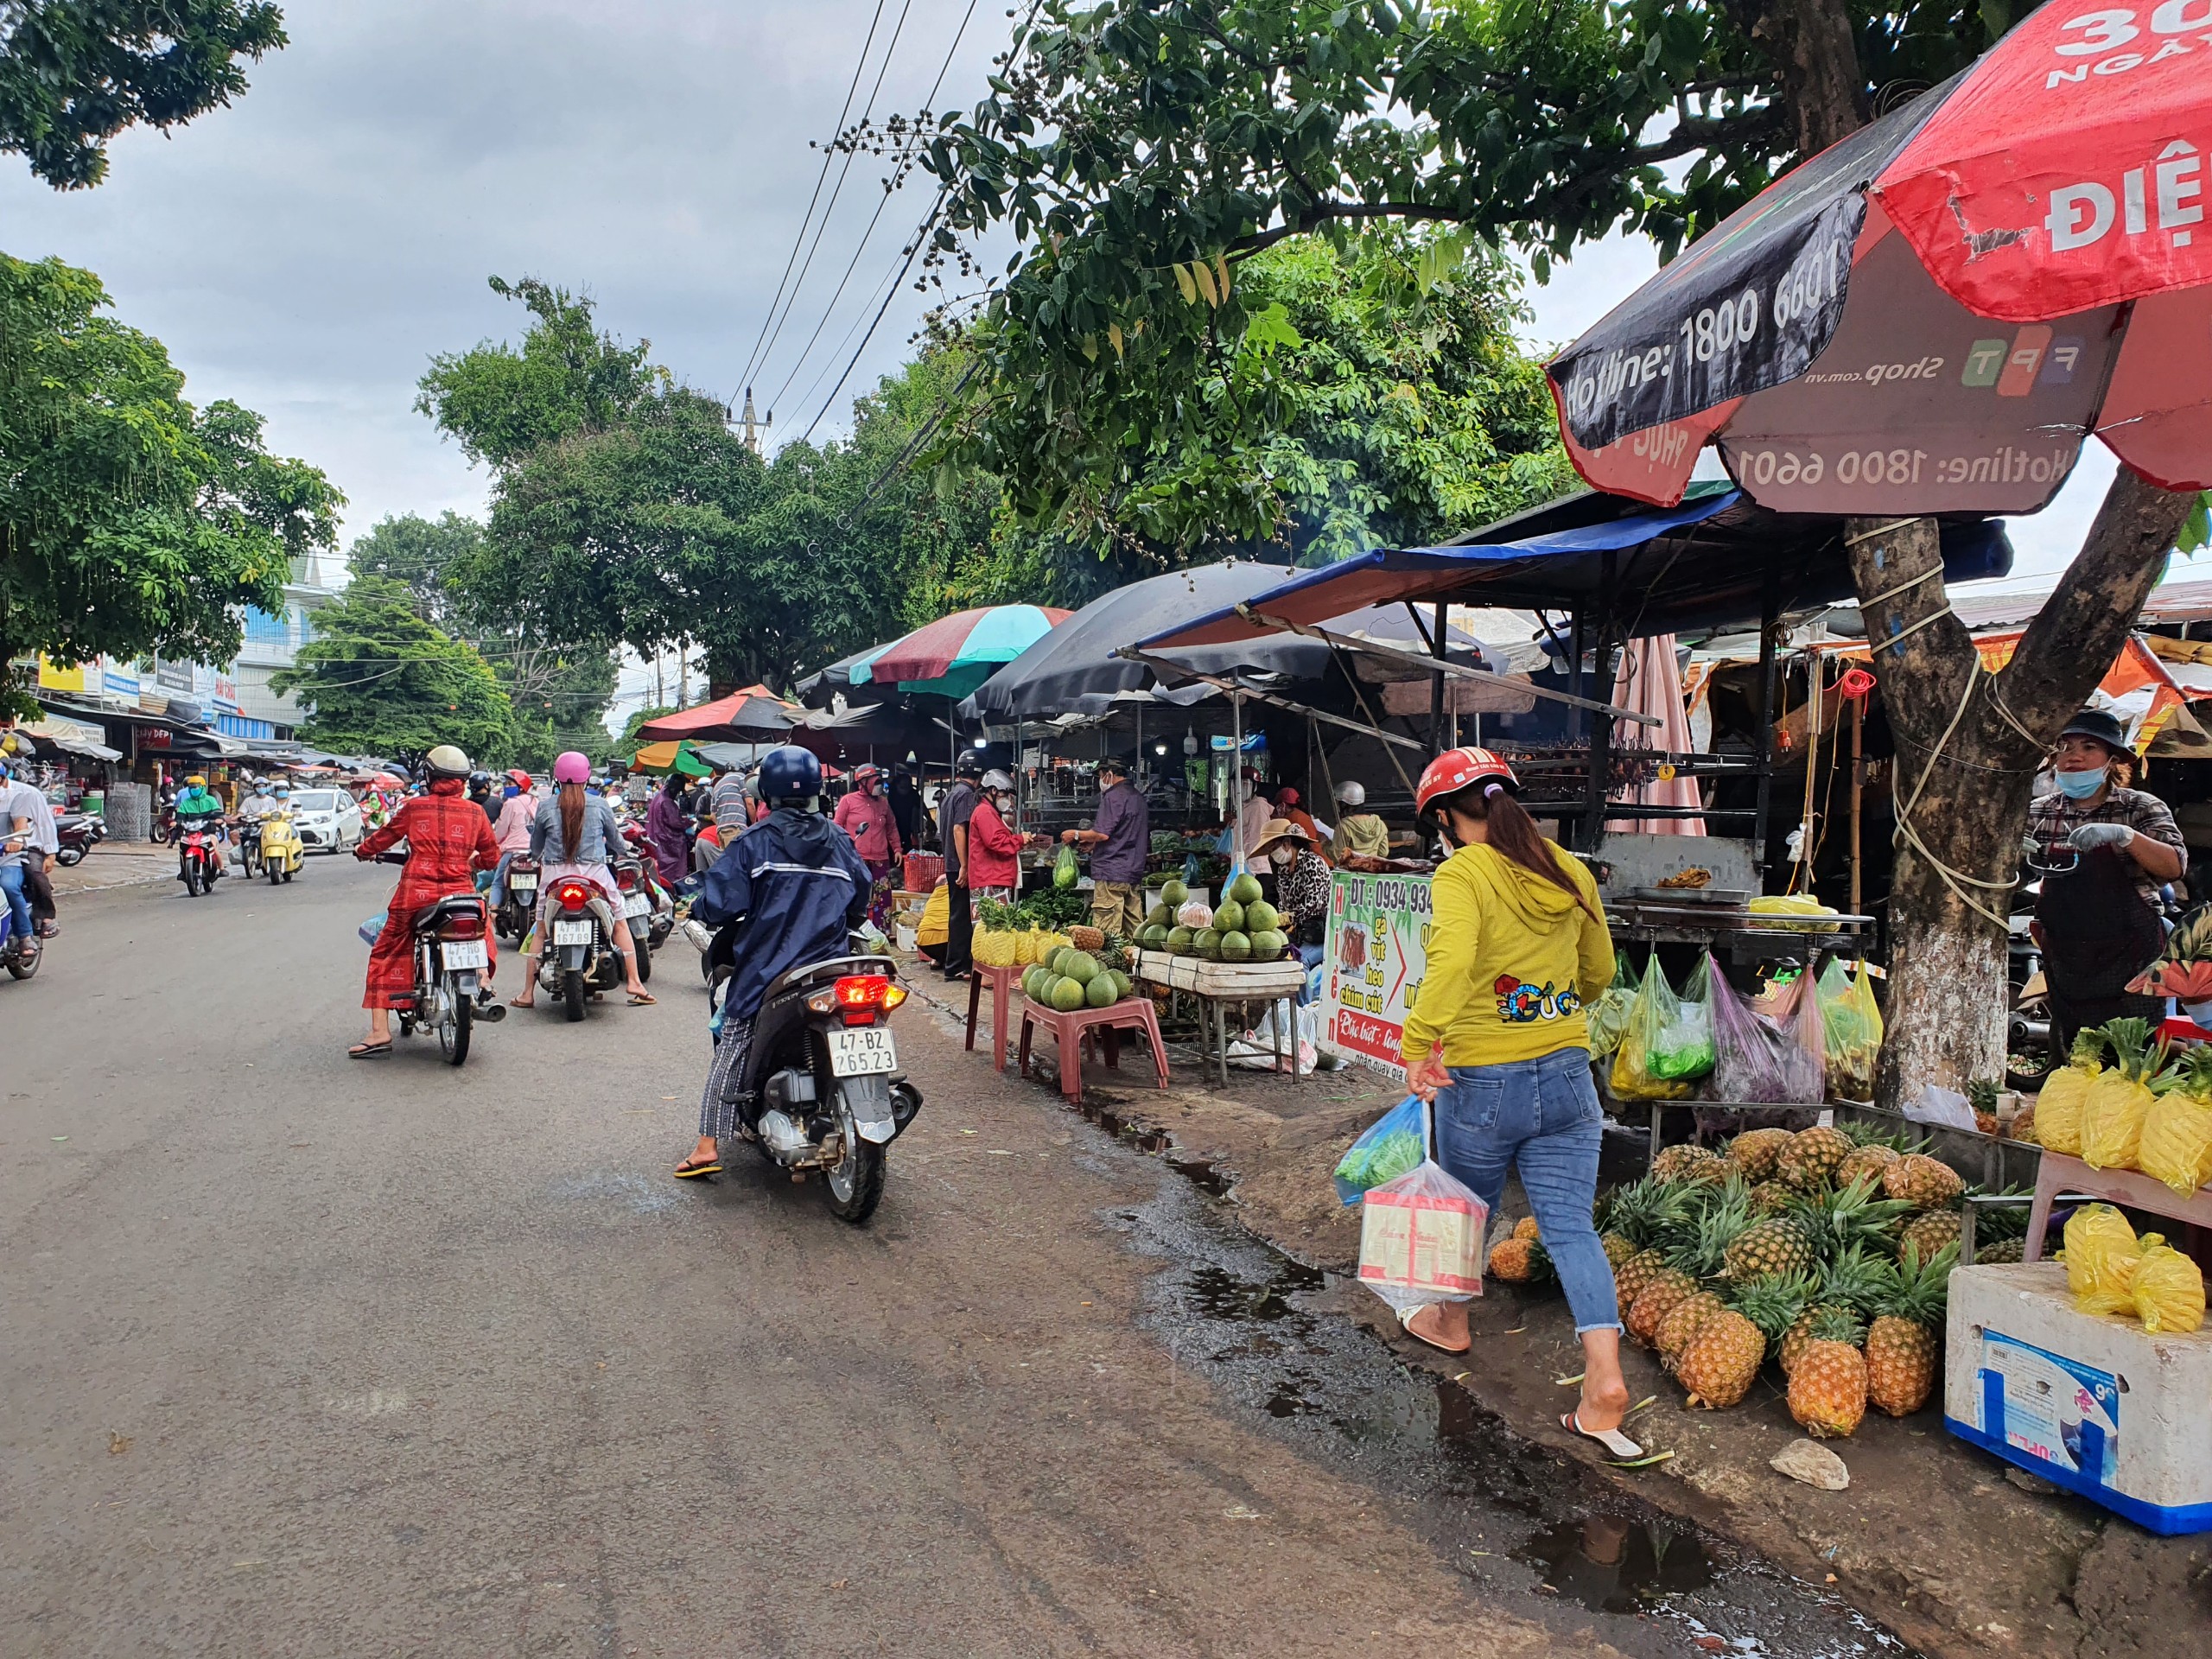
x=1513, y=1260
x=1682, y=1322
x=1901, y=1345
x=1655, y=1301
x=1777, y=1245
x=1087, y=938
x=2004, y=1250
x=1776, y=1306
x=1636, y=1217
x=1635, y=1275
x=1928, y=1232
x=1852, y=1282
x=1812, y=1158
x=2117, y=1102
x=1526, y=1228
x=1924, y=1183
x=1755, y=1153
x=1723, y=1359
x=1687, y=1163
x=1848, y=1216
x=1620, y=1249
x=1865, y=1162
x=1828, y=1385
x=1981, y=1097
x=1772, y=1198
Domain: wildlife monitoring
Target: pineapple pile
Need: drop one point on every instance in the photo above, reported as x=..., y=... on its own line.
x=1827, y=1250
x=1005, y=938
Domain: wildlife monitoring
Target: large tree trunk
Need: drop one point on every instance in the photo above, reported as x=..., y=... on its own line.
x=1810, y=46
x=1959, y=830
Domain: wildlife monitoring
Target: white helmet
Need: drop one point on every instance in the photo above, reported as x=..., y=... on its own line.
x=446, y=761
x=1352, y=792
x=997, y=780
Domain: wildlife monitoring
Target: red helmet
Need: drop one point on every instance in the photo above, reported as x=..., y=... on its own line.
x=1458, y=769
x=518, y=778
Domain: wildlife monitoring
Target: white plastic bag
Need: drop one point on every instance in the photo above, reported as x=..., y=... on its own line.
x=1420, y=1236
x=1945, y=1108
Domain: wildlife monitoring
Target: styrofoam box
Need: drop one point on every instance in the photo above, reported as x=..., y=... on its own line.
x=2094, y=1403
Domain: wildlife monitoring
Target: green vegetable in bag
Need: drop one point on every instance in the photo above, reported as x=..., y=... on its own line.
x=1653, y=1007
x=1066, y=874
x=1608, y=1015
x=1682, y=1047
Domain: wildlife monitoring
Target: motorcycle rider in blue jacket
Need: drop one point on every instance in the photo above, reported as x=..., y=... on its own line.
x=786, y=892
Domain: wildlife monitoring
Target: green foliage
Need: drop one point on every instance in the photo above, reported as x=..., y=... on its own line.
x=74, y=74
x=383, y=680
x=130, y=522
x=629, y=742
x=421, y=555
x=1347, y=397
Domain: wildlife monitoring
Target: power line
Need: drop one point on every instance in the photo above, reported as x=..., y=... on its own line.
x=858, y=69
x=853, y=264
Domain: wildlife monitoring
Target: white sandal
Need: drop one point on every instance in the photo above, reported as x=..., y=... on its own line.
x=1612, y=1439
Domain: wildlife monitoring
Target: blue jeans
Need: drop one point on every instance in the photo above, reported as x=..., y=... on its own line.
x=1542, y=1116
x=19, y=906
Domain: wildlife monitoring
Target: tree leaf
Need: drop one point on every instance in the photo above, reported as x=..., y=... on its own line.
x=1187, y=283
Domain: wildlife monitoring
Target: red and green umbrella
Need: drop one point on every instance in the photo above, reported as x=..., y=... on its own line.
x=955, y=654
x=1930, y=316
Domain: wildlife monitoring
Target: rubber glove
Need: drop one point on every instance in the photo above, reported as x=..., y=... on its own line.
x=2090, y=836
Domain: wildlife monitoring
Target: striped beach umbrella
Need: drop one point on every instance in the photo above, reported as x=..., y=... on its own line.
x=955, y=654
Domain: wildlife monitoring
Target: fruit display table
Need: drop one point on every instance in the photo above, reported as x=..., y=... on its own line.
x=1216, y=985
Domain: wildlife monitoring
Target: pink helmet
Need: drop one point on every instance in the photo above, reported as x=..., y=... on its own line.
x=570, y=768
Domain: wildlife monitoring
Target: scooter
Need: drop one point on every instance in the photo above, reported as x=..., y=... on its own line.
x=249, y=848
x=579, y=956
x=284, y=854
x=519, y=907
x=451, y=956
x=199, y=859
x=634, y=878
x=78, y=834
x=820, y=1088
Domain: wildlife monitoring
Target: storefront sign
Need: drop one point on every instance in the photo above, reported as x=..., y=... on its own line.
x=1377, y=951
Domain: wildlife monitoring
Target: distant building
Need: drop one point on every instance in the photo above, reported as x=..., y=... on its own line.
x=272, y=642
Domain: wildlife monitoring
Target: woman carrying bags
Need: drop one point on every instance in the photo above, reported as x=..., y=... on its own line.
x=1496, y=1042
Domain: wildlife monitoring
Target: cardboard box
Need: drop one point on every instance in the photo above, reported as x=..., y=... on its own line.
x=1413, y=1240
x=2094, y=1403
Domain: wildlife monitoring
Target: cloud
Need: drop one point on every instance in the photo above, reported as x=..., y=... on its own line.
x=308, y=251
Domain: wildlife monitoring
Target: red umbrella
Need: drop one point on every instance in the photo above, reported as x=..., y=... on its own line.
x=955, y=654
x=1930, y=316
x=755, y=715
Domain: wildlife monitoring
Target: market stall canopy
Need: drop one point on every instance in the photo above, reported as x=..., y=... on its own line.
x=674, y=754
x=819, y=687
x=71, y=738
x=1701, y=564
x=755, y=715
x=953, y=655
x=1930, y=316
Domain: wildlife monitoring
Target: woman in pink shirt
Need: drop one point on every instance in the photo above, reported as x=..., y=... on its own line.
x=865, y=815
x=512, y=830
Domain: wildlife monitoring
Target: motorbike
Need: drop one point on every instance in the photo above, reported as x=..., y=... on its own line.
x=519, y=908
x=662, y=913
x=283, y=855
x=634, y=878
x=820, y=1088
x=578, y=957
x=19, y=953
x=451, y=956
x=78, y=834
x=249, y=847
x=199, y=859
x=165, y=824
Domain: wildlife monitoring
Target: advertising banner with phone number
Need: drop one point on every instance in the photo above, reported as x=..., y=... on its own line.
x=1377, y=952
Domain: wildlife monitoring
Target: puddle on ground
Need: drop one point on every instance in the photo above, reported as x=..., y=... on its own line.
x=1535, y=1531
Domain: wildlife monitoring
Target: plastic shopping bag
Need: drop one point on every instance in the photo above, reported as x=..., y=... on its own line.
x=372, y=929
x=1390, y=1147
x=1421, y=1239
x=1760, y=1060
x=1066, y=870
x=2176, y=1144
x=2101, y=1254
x=2169, y=1292
x=1654, y=1013
x=1608, y=1015
x=1852, y=1023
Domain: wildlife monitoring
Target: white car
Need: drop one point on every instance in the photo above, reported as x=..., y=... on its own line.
x=328, y=820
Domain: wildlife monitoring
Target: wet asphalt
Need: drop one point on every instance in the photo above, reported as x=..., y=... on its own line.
x=304, y=1355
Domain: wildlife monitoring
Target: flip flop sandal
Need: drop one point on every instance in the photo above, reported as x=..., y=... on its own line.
x=517, y=1002
x=643, y=1000
x=1612, y=1439
x=369, y=1051
x=1405, y=1316
x=688, y=1171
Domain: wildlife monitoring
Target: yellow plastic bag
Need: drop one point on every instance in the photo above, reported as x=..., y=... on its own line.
x=2168, y=1293
x=2112, y=1121
x=2101, y=1254
x=1657, y=1020
x=2176, y=1142
x=2058, y=1106
x=1852, y=1022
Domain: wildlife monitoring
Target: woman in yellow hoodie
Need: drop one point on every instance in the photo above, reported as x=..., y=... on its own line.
x=1496, y=1039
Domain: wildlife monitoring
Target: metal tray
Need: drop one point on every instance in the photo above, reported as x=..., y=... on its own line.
x=1725, y=898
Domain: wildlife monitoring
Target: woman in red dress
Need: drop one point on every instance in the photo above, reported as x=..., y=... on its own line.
x=448, y=839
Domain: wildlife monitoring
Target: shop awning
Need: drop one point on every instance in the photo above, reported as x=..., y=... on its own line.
x=1703, y=564
x=71, y=738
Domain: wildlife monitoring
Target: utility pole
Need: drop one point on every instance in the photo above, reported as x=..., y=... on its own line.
x=754, y=430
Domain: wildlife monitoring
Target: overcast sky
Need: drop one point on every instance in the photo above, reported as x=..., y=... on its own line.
x=306, y=251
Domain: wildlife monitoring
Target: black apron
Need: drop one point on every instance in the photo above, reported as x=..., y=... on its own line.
x=2097, y=935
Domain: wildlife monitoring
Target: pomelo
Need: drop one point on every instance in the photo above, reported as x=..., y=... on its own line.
x=1178, y=941
x=1099, y=994
x=1245, y=888
x=1173, y=894
x=1229, y=917
x=1270, y=945
x=1235, y=947
x=1067, y=995
x=1207, y=943
x=1260, y=917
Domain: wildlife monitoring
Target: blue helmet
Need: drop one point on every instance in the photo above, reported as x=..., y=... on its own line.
x=789, y=773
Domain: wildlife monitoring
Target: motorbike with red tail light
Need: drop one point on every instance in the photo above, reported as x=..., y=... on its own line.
x=821, y=1089
x=199, y=858
x=641, y=896
x=453, y=953
x=578, y=957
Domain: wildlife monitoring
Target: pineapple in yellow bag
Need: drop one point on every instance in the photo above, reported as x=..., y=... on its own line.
x=2167, y=1291
x=2058, y=1108
x=2176, y=1144
x=2120, y=1099
x=2102, y=1256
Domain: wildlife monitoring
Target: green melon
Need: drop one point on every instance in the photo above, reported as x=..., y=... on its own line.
x=1245, y=888
x=1099, y=994
x=1260, y=917
x=1235, y=947
x=1122, y=984
x=1080, y=966
x=1154, y=937
x=1161, y=916
x=1178, y=941
x=1173, y=894
x=1208, y=944
x=1067, y=995
x=1052, y=957
x=1230, y=918
x=1031, y=981
x=1270, y=945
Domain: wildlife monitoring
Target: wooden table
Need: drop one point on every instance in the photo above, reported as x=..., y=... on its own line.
x=1217, y=984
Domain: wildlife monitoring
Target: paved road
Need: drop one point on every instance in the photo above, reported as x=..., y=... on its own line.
x=302, y=1356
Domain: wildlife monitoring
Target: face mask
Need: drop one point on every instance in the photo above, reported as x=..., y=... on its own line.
x=1282, y=858
x=2080, y=786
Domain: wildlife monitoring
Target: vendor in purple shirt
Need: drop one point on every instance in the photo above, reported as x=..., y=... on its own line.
x=1119, y=838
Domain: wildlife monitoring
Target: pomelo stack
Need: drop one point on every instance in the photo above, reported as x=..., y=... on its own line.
x=1069, y=979
x=1246, y=928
